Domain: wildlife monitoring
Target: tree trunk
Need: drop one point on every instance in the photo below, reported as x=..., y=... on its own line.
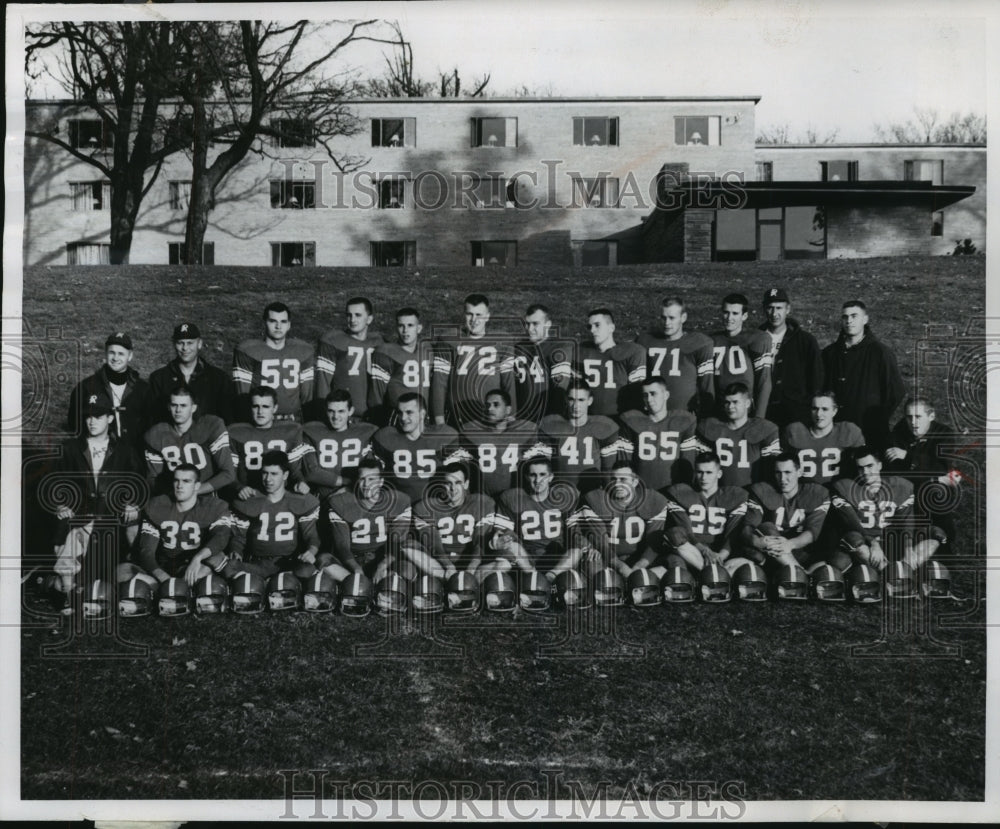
x=202, y=192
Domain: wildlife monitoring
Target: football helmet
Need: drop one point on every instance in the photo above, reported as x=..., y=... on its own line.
x=716, y=584
x=679, y=584
x=356, y=595
x=866, y=583
x=175, y=598
x=99, y=600
x=211, y=594
x=935, y=582
x=428, y=595
x=500, y=591
x=284, y=592
x=644, y=588
x=536, y=592
x=138, y=599
x=248, y=591
x=463, y=592
x=609, y=588
x=751, y=582
x=406, y=568
x=828, y=584
x=319, y=593
x=793, y=583
x=900, y=581
x=571, y=591
x=392, y=594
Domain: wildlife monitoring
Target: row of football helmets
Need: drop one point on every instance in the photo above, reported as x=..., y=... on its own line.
x=403, y=589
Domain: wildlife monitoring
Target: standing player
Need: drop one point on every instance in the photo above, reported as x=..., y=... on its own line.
x=398, y=368
x=204, y=443
x=612, y=370
x=335, y=445
x=344, y=358
x=796, y=362
x=211, y=386
x=498, y=443
x=468, y=366
x=823, y=444
x=742, y=443
x=684, y=359
x=661, y=443
x=742, y=356
x=279, y=361
x=542, y=367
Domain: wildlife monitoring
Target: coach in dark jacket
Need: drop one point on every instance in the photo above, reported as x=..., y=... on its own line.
x=862, y=372
x=211, y=386
x=797, y=364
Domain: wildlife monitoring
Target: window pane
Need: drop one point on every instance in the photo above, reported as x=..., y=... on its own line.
x=764, y=170
x=804, y=233
x=735, y=230
x=596, y=131
x=494, y=132
x=578, y=131
x=595, y=253
x=839, y=170
x=937, y=223
x=208, y=253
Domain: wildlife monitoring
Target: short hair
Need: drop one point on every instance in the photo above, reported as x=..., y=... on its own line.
x=826, y=393
x=477, y=299
x=264, y=391
x=535, y=307
x=187, y=467
x=182, y=390
x=537, y=459
x=370, y=462
x=339, y=396
x=501, y=393
x=278, y=308
x=672, y=300
x=409, y=397
x=736, y=388
x=854, y=303
x=918, y=400
x=783, y=457
x=457, y=466
x=657, y=379
x=603, y=312
x=860, y=452
x=577, y=385
x=623, y=463
x=737, y=299
x=707, y=457
x=275, y=457
x=407, y=312
x=361, y=300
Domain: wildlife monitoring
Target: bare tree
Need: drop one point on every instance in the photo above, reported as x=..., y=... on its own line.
x=782, y=134
x=927, y=127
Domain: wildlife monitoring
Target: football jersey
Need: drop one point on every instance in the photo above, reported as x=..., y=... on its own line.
x=498, y=454
x=465, y=370
x=741, y=451
x=804, y=511
x=455, y=534
x=541, y=373
x=540, y=525
x=396, y=371
x=628, y=527
x=611, y=375
x=329, y=455
x=248, y=443
x=343, y=362
x=169, y=537
x=289, y=371
x=361, y=530
x=205, y=444
x=262, y=529
x=870, y=510
x=823, y=459
x=578, y=451
x=711, y=519
x=410, y=464
x=662, y=452
x=740, y=359
x=687, y=364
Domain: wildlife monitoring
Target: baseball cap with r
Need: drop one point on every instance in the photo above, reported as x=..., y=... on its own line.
x=186, y=331
x=119, y=338
x=775, y=295
x=97, y=404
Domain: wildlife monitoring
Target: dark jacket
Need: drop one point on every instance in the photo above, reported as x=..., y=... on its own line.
x=212, y=388
x=922, y=454
x=796, y=375
x=131, y=417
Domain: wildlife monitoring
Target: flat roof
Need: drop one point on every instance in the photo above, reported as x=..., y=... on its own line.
x=638, y=99
x=872, y=145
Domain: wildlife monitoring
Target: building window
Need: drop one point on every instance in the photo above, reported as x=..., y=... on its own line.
x=595, y=132
x=764, y=170
x=598, y=253
x=494, y=132
x=293, y=195
x=90, y=134
x=931, y=170
x=391, y=192
x=698, y=130
x=394, y=132
x=175, y=253
x=88, y=253
x=492, y=191
x=393, y=254
x=840, y=170
x=770, y=233
x=595, y=192
x=180, y=195
x=293, y=254
x=90, y=195
x=494, y=253
x=294, y=132
x=937, y=223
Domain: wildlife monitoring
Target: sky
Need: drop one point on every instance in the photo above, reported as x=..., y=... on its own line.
x=838, y=66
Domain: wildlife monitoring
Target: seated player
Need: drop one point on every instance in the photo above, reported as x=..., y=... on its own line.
x=183, y=535
x=661, y=443
x=398, y=368
x=203, y=443
x=335, y=446
x=703, y=521
x=497, y=443
x=249, y=441
x=872, y=509
x=276, y=531
x=369, y=523
x=451, y=525
x=741, y=442
x=822, y=444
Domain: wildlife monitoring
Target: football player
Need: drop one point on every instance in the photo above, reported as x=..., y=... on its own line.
x=741, y=442
x=612, y=370
x=497, y=443
x=335, y=445
x=468, y=366
x=660, y=443
x=211, y=386
x=796, y=362
x=344, y=358
x=684, y=359
x=542, y=366
x=823, y=443
x=203, y=442
x=742, y=356
x=398, y=368
x=249, y=441
x=284, y=363
x=277, y=531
